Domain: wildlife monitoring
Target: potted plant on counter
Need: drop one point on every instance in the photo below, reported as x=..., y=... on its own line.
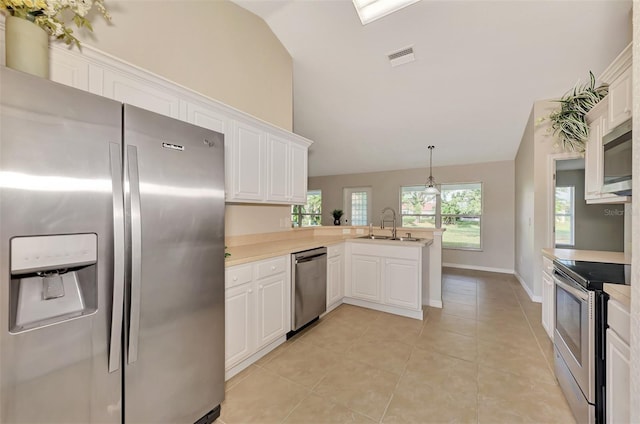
x=337, y=214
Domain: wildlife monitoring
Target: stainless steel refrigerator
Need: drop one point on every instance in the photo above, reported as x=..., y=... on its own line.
x=111, y=260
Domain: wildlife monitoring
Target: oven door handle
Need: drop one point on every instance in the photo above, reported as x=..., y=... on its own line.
x=581, y=294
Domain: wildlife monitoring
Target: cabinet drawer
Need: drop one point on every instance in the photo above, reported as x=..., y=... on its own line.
x=336, y=250
x=547, y=265
x=619, y=319
x=237, y=275
x=271, y=267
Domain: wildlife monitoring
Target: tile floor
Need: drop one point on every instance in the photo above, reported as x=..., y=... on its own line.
x=483, y=358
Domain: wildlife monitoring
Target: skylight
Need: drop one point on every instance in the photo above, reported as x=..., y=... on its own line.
x=370, y=10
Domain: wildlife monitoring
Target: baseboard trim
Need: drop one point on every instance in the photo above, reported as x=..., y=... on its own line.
x=432, y=303
x=480, y=268
x=537, y=299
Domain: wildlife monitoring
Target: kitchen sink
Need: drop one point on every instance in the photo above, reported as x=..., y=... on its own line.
x=375, y=237
x=406, y=239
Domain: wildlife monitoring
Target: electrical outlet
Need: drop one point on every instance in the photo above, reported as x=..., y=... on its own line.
x=346, y=231
x=359, y=231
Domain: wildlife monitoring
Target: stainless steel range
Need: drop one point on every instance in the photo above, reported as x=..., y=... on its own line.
x=579, y=335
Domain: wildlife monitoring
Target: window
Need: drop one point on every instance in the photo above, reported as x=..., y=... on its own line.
x=461, y=213
x=418, y=209
x=458, y=209
x=357, y=205
x=564, y=220
x=309, y=214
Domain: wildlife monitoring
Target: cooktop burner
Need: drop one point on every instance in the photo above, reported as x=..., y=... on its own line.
x=593, y=274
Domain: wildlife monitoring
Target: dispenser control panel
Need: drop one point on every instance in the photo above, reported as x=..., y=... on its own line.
x=37, y=253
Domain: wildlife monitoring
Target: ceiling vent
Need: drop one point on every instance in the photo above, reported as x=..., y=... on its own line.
x=402, y=56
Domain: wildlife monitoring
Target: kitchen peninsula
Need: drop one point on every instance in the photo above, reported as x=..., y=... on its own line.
x=393, y=276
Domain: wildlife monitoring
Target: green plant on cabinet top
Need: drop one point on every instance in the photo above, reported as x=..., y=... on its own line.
x=569, y=123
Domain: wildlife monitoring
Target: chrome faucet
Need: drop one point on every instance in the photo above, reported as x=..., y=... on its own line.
x=382, y=221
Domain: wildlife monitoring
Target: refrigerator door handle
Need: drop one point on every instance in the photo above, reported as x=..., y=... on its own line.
x=136, y=253
x=117, y=307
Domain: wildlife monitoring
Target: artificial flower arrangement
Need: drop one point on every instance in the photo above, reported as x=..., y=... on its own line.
x=54, y=16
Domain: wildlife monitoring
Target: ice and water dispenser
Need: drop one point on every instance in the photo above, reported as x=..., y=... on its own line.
x=53, y=279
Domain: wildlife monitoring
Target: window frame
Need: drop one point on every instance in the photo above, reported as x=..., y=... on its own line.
x=439, y=215
x=302, y=215
x=346, y=201
x=401, y=215
x=572, y=215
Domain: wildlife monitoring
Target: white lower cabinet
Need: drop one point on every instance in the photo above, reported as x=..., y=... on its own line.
x=273, y=309
x=366, y=276
x=238, y=331
x=335, y=275
x=258, y=308
x=386, y=277
x=402, y=283
x=548, y=297
x=618, y=367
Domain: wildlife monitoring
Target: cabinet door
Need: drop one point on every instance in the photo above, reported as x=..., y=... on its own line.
x=239, y=324
x=401, y=282
x=140, y=93
x=620, y=100
x=247, y=163
x=299, y=173
x=273, y=309
x=335, y=290
x=548, y=306
x=207, y=118
x=617, y=384
x=278, y=169
x=593, y=160
x=69, y=69
x=366, y=277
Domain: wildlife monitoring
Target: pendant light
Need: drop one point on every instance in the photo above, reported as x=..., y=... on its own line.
x=430, y=185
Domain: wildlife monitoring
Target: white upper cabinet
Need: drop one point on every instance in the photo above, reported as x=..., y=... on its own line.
x=263, y=163
x=248, y=150
x=278, y=164
x=299, y=168
x=620, y=101
x=611, y=111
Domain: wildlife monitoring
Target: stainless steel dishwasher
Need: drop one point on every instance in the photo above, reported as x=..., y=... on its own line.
x=308, y=287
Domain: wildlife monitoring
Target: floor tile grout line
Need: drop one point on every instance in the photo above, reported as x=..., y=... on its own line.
x=535, y=336
x=393, y=392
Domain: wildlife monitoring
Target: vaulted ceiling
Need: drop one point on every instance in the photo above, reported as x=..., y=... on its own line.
x=479, y=65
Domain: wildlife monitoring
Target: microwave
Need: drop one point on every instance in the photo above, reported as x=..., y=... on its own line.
x=617, y=160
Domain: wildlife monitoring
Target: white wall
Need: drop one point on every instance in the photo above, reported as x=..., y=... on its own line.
x=635, y=258
x=524, y=198
x=218, y=49
x=498, y=205
x=533, y=199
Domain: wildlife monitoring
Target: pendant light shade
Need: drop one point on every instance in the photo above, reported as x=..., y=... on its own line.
x=430, y=185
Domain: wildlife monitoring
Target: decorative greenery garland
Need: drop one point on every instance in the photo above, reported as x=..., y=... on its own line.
x=569, y=122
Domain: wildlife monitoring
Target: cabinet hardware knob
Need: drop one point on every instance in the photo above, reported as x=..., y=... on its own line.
x=250, y=290
x=261, y=286
x=273, y=268
x=235, y=278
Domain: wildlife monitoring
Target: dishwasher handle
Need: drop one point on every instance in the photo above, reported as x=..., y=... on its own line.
x=309, y=258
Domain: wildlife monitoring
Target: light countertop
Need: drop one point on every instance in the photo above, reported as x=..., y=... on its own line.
x=588, y=255
x=255, y=252
x=619, y=292
x=270, y=249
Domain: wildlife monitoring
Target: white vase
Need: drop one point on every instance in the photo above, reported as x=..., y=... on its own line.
x=26, y=47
